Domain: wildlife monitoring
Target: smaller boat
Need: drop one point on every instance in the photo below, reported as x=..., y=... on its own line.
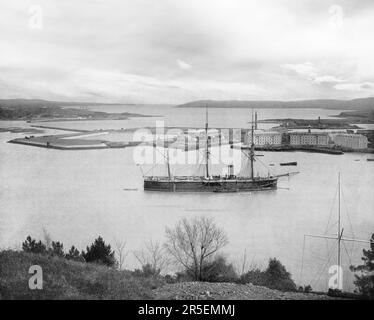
x=293, y=163
x=369, y=159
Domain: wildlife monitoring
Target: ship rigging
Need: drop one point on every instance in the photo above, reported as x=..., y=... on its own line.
x=244, y=181
x=340, y=241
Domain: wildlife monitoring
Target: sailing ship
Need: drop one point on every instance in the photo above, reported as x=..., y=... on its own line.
x=206, y=182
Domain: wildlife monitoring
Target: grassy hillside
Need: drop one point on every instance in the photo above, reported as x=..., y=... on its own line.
x=66, y=279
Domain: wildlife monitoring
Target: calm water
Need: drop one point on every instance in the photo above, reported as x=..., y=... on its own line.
x=193, y=117
x=79, y=195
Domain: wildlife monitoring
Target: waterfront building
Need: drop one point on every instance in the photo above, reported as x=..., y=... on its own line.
x=263, y=138
x=309, y=139
x=350, y=140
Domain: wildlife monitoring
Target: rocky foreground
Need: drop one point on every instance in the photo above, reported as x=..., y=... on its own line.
x=229, y=291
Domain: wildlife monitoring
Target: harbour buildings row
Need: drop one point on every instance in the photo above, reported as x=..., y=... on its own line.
x=263, y=138
x=319, y=139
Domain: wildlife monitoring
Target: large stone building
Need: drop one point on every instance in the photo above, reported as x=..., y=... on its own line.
x=350, y=140
x=309, y=139
x=263, y=138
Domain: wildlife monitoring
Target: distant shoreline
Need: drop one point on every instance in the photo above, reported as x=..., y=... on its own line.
x=327, y=104
x=48, y=111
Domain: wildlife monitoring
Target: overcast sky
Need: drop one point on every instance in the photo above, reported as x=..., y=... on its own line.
x=175, y=51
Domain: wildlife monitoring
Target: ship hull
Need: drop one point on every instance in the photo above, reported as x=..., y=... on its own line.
x=205, y=185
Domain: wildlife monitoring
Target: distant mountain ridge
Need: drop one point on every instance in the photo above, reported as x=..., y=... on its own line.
x=14, y=103
x=354, y=104
x=361, y=104
x=43, y=110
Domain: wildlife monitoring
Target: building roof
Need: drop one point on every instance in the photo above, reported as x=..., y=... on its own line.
x=350, y=135
x=309, y=133
x=258, y=132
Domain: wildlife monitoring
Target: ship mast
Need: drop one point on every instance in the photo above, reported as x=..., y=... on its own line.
x=252, y=154
x=340, y=233
x=338, y=237
x=168, y=162
x=207, y=143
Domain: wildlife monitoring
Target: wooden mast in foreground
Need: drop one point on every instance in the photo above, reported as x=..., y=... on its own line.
x=338, y=237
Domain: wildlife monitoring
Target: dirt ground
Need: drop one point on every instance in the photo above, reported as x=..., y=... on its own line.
x=230, y=291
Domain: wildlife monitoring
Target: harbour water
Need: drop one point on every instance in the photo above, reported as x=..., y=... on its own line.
x=76, y=196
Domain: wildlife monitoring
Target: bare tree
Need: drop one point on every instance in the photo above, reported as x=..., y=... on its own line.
x=193, y=242
x=120, y=251
x=242, y=264
x=153, y=255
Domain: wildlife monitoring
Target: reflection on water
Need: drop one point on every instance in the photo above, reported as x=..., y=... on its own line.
x=79, y=195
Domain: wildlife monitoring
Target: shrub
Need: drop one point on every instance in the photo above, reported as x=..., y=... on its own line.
x=170, y=279
x=274, y=277
x=256, y=276
x=278, y=277
x=308, y=288
x=153, y=257
x=147, y=271
x=74, y=254
x=57, y=249
x=365, y=280
x=30, y=245
x=99, y=252
x=217, y=270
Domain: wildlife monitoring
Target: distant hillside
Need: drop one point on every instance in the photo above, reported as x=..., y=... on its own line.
x=21, y=103
x=354, y=104
x=43, y=110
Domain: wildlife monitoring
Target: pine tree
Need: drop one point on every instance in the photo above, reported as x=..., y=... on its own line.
x=30, y=245
x=99, y=252
x=365, y=281
x=57, y=249
x=75, y=255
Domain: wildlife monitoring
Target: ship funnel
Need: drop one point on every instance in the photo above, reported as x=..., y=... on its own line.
x=231, y=170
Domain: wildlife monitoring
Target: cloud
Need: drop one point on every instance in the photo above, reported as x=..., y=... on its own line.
x=101, y=85
x=125, y=50
x=311, y=73
x=359, y=87
x=307, y=69
x=327, y=79
x=183, y=65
